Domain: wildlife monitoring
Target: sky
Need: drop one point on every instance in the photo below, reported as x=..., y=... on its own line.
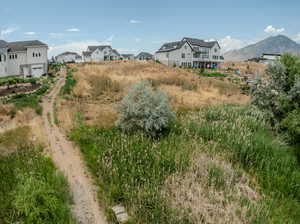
x=132, y=26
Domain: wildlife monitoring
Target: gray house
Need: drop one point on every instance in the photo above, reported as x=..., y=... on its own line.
x=190, y=52
x=127, y=57
x=26, y=58
x=144, y=56
x=100, y=53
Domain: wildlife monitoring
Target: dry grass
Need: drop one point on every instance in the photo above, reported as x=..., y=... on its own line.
x=245, y=67
x=213, y=191
x=101, y=85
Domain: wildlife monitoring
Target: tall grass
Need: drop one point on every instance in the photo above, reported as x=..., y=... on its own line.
x=69, y=83
x=132, y=168
x=243, y=134
x=31, y=190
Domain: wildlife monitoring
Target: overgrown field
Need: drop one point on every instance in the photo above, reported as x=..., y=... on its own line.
x=31, y=189
x=216, y=165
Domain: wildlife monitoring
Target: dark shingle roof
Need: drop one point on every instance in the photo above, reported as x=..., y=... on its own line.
x=145, y=55
x=127, y=55
x=23, y=45
x=101, y=47
x=171, y=46
x=3, y=43
x=200, y=43
x=116, y=52
x=86, y=53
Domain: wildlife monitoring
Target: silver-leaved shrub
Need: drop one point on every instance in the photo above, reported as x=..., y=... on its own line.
x=145, y=109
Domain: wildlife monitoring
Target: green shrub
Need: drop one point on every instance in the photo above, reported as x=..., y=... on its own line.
x=145, y=109
x=279, y=94
x=291, y=124
x=69, y=84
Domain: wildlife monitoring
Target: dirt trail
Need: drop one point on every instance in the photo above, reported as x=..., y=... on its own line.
x=68, y=159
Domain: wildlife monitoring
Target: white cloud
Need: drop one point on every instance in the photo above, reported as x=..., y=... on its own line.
x=73, y=30
x=7, y=31
x=228, y=43
x=133, y=21
x=271, y=29
x=297, y=38
x=30, y=33
x=110, y=39
x=73, y=46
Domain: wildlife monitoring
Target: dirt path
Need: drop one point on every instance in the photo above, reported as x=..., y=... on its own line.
x=68, y=159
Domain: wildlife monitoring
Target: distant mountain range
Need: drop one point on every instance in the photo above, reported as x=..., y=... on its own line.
x=273, y=45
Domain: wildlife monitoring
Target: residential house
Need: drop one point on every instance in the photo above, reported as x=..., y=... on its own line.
x=144, y=56
x=127, y=57
x=23, y=58
x=100, y=53
x=68, y=57
x=190, y=52
x=267, y=58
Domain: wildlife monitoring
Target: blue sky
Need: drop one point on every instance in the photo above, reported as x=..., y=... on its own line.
x=135, y=25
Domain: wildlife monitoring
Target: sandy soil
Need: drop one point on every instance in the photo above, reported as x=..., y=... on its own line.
x=68, y=159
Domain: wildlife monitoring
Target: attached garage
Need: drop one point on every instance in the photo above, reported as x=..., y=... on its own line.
x=37, y=70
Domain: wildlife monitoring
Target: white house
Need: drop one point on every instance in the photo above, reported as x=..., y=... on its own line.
x=267, y=58
x=68, y=57
x=100, y=53
x=144, y=56
x=26, y=58
x=190, y=52
x=127, y=57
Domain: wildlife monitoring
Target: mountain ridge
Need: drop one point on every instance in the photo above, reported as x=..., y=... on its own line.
x=272, y=45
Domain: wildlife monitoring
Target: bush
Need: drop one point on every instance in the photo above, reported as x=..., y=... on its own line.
x=279, y=95
x=145, y=109
x=69, y=84
x=291, y=124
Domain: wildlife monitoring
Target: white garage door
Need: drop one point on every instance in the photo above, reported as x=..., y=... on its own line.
x=37, y=70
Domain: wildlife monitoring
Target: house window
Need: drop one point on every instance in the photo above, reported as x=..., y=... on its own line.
x=16, y=56
x=183, y=55
x=39, y=54
x=216, y=50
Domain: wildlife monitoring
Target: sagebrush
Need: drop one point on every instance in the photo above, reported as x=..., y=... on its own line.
x=145, y=109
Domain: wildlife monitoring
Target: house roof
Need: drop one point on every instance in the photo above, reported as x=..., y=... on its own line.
x=23, y=45
x=3, y=43
x=144, y=54
x=101, y=47
x=269, y=54
x=86, y=53
x=66, y=53
x=116, y=52
x=127, y=55
x=171, y=46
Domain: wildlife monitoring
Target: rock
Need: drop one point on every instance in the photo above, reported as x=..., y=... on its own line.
x=120, y=213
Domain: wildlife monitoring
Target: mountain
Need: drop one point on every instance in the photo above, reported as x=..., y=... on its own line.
x=273, y=45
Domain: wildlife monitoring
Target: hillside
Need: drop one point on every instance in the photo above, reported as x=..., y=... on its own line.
x=275, y=44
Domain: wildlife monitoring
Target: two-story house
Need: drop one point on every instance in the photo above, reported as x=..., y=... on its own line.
x=26, y=58
x=68, y=57
x=190, y=52
x=100, y=53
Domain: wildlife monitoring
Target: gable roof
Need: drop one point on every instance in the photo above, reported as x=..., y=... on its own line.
x=66, y=53
x=86, y=53
x=101, y=47
x=127, y=55
x=171, y=46
x=145, y=55
x=23, y=45
x=200, y=43
x=116, y=52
